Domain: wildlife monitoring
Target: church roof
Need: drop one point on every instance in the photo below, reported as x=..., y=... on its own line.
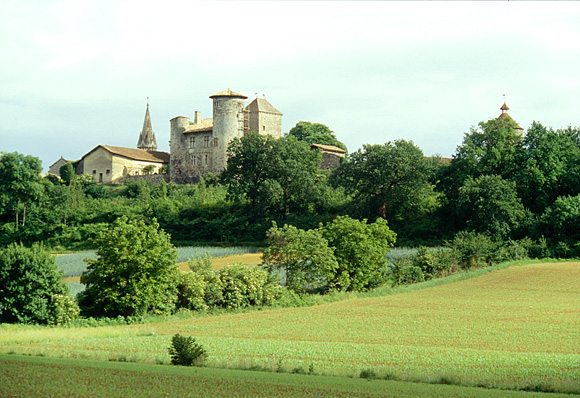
x=147, y=137
x=504, y=115
x=228, y=93
x=261, y=105
x=135, y=154
x=205, y=125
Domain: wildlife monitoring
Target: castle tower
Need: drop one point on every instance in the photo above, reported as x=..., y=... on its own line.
x=264, y=118
x=228, y=123
x=504, y=115
x=147, y=138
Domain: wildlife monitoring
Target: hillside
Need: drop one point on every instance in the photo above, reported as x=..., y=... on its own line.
x=511, y=328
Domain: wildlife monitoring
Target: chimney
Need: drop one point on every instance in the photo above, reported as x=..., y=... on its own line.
x=197, y=117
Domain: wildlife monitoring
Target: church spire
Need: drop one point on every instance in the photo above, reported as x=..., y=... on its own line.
x=147, y=138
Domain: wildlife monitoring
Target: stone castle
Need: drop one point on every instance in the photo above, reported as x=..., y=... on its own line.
x=200, y=147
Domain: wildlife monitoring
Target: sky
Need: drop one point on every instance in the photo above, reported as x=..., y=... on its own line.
x=77, y=73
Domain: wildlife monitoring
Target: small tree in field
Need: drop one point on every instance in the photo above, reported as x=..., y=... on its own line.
x=134, y=272
x=32, y=289
x=186, y=351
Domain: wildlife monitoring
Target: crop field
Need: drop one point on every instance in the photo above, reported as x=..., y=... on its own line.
x=511, y=328
x=50, y=377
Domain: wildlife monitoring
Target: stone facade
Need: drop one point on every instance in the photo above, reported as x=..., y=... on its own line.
x=331, y=155
x=55, y=167
x=200, y=147
x=106, y=163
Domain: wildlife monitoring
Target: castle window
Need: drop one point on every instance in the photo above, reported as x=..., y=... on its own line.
x=206, y=141
x=108, y=172
x=191, y=142
x=215, y=142
x=263, y=128
x=206, y=159
x=94, y=172
x=194, y=161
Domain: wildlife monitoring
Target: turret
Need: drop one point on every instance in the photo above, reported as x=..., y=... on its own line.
x=147, y=137
x=228, y=123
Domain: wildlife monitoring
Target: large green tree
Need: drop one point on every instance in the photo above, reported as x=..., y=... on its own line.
x=278, y=176
x=303, y=255
x=20, y=185
x=390, y=180
x=549, y=166
x=359, y=248
x=134, y=272
x=490, y=204
x=31, y=288
x=315, y=133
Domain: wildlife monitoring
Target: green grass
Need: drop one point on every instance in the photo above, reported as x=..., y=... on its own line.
x=50, y=377
x=509, y=328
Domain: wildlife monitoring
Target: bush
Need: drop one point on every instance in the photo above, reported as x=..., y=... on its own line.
x=403, y=271
x=32, y=289
x=134, y=272
x=185, y=351
x=473, y=249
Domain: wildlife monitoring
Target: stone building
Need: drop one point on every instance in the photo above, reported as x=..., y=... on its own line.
x=331, y=155
x=55, y=167
x=504, y=115
x=107, y=163
x=200, y=146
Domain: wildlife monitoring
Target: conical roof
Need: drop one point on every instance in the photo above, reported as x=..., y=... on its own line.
x=228, y=93
x=147, y=138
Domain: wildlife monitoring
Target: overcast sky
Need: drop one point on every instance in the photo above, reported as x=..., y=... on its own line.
x=76, y=74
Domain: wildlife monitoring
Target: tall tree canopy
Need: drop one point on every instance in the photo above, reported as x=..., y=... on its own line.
x=315, y=133
x=387, y=179
x=278, y=176
x=20, y=185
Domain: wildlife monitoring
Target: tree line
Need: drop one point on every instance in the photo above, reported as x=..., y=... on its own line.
x=498, y=183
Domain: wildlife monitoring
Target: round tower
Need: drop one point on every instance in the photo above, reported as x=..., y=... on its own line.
x=228, y=123
x=178, y=156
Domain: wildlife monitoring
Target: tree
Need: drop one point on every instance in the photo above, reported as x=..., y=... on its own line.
x=134, y=272
x=315, y=133
x=359, y=248
x=31, y=288
x=278, y=176
x=560, y=225
x=20, y=184
x=489, y=204
x=304, y=256
x=548, y=166
x=391, y=180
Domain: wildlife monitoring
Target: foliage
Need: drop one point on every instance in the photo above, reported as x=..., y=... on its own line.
x=560, y=222
x=235, y=286
x=278, y=176
x=490, y=205
x=20, y=185
x=359, y=248
x=304, y=256
x=390, y=181
x=315, y=133
x=185, y=351
x=473, y=249
x=32, y=289
x=134, y=272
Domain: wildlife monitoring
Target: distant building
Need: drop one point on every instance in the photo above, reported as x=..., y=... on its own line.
x=107, y=163
x=504, y=115
x=55, y=167
x=331, y=155
x=200, y=146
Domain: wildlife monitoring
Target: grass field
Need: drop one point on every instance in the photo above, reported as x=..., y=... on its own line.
x=511, y=328
x=50, y=377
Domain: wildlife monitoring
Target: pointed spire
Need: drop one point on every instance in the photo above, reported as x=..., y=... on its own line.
x=147, y=138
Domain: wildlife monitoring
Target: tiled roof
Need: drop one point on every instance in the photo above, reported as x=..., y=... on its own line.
x=261, y=105
x=329, y=148
x=228, y=93
x=204, y=126
x=135, y=154
x=505, y=115
x=504, y=107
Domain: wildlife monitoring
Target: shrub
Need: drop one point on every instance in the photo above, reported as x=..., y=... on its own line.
x=134, y=272
x=368, y=374
x=31, y=287
x=403, y=271
x=473, y=249
x=185, y=351
x=191, y=288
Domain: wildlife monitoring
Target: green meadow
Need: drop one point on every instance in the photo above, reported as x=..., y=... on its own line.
x=512, y=328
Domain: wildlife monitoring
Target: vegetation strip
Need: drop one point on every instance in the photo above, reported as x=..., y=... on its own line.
x=49, y=377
